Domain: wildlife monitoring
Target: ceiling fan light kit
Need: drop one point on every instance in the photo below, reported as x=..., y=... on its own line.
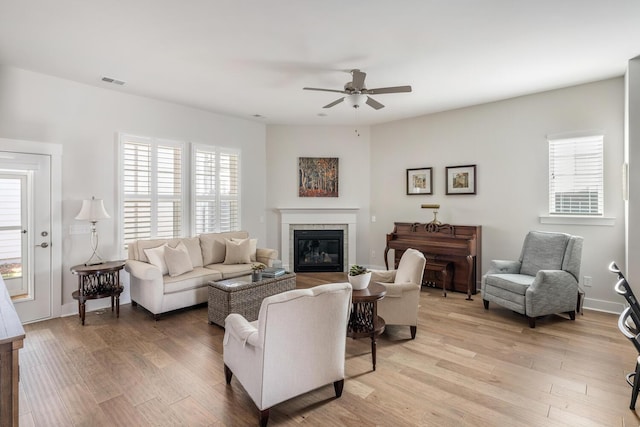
x=357, y=94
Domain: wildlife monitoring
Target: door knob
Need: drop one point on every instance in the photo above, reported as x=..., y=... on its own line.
x=43, y=245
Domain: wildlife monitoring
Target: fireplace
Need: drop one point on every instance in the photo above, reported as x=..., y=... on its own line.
x=318, y=250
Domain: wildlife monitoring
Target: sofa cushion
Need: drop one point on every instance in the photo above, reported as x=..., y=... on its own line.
x=194, y=279
x=195, y=251
x=231, y=270
x=156, y=257
x=543, y=251
x=213, y=245
x=237, y=251
x=178, y=260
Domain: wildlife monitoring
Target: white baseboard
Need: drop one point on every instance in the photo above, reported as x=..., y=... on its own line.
x=71, y=309
x=605, y=306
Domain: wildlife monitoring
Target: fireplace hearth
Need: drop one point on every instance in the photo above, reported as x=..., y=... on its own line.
x=318, y=251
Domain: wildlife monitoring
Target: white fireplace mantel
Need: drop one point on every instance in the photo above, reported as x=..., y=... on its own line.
x=312, y=217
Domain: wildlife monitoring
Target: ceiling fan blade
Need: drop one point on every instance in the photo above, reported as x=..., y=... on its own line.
x=358, y=79
x=395, y=89
x=336, y=102
x=373, y=103
x=324, y=90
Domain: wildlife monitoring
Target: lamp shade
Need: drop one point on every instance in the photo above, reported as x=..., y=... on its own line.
x=92, y=210
x=356, y=100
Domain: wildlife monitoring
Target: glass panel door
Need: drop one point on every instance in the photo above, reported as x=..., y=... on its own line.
x=13, y=237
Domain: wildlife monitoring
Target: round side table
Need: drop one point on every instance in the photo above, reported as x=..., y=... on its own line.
x=364, y=320
x=98, y=281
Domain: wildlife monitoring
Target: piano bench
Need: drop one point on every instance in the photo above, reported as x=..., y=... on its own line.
x=442, y=270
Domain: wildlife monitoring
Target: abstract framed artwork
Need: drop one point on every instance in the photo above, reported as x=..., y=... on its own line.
x=317, y=177
x=419, y=181
x=461, y=179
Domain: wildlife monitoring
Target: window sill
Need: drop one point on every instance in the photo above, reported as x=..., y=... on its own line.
x=577, y=220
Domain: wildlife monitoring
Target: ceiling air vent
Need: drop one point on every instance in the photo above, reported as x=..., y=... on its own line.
x=112, y=80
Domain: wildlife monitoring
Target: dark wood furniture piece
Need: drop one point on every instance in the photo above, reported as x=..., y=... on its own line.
x=460, y=245
x=11, y=341
x=364, y=320
x=98, y=281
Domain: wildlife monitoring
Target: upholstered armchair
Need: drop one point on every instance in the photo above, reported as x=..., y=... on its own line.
x=400, y=304
x=543, y=281
x=296, y=345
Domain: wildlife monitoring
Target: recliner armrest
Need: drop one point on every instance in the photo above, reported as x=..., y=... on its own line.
x=500, y=266
x=383, y=276
x=552, y=282
x=142, y=270
x=395, y=290
x=236, y=325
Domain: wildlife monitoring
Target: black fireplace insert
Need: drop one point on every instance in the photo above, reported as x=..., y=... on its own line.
x=318, y=251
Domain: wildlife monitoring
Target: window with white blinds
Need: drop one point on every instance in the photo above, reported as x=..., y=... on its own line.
x=152, y=190
x=217, y=191
x=576, y=183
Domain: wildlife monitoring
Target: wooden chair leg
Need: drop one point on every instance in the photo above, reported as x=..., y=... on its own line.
x=413, y=332
x=532, y=322
x=227, y=374
x=264, y=417
x=572, y=315
x=486, y=304
x=338, y=386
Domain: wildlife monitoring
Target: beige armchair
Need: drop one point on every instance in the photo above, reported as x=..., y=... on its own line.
x=296, y=345
x=400, y=304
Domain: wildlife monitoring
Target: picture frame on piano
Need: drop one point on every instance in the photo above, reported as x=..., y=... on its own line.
x=419, y=181
x=461, y=179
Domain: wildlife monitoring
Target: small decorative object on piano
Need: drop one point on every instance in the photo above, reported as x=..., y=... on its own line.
x=359, y=277
x=272, y=272
x=435, y=208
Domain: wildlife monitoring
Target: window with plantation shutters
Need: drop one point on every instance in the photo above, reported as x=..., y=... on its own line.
x=216, y=192
x=576, y=184
x=152, y=191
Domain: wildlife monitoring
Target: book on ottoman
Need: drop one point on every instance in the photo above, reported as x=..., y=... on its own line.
x=273, y=272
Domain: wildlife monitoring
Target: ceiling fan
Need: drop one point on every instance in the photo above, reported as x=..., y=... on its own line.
x=357, y=93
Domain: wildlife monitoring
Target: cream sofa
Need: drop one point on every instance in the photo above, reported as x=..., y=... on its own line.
x=164, y=279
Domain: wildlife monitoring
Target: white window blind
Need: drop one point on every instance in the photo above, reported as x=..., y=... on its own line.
x=217, y=191
x=576, y=176
x=152, y=190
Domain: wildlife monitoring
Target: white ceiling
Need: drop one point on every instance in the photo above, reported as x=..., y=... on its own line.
x=248, y=57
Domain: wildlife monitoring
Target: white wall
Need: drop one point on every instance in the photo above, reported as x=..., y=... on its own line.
x=85, y=120
x=349, y=143
x=632, y=155
x=506, y=140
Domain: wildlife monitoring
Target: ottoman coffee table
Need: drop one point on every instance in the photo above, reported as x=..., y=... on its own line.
x=241, y=295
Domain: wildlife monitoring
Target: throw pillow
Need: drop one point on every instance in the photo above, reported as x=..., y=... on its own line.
x=178, y=260
x=156, y=257
x=195, y=252
x=237, y=252
x=253, y=247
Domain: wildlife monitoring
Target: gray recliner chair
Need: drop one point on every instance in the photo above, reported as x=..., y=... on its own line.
x=543, y=281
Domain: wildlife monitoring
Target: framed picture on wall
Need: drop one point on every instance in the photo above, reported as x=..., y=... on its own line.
x=419, y=181
x=461, y=179
x=317, y=177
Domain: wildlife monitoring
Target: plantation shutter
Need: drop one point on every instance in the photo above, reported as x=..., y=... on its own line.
x=216, y=190
x=152, y=192
x=576, y=176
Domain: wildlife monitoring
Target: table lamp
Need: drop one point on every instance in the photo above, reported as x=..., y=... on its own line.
x=92, y=211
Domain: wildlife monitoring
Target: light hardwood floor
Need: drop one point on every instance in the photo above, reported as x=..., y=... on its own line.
x=466, y=367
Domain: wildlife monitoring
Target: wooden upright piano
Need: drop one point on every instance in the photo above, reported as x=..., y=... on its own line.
x=459, y=244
